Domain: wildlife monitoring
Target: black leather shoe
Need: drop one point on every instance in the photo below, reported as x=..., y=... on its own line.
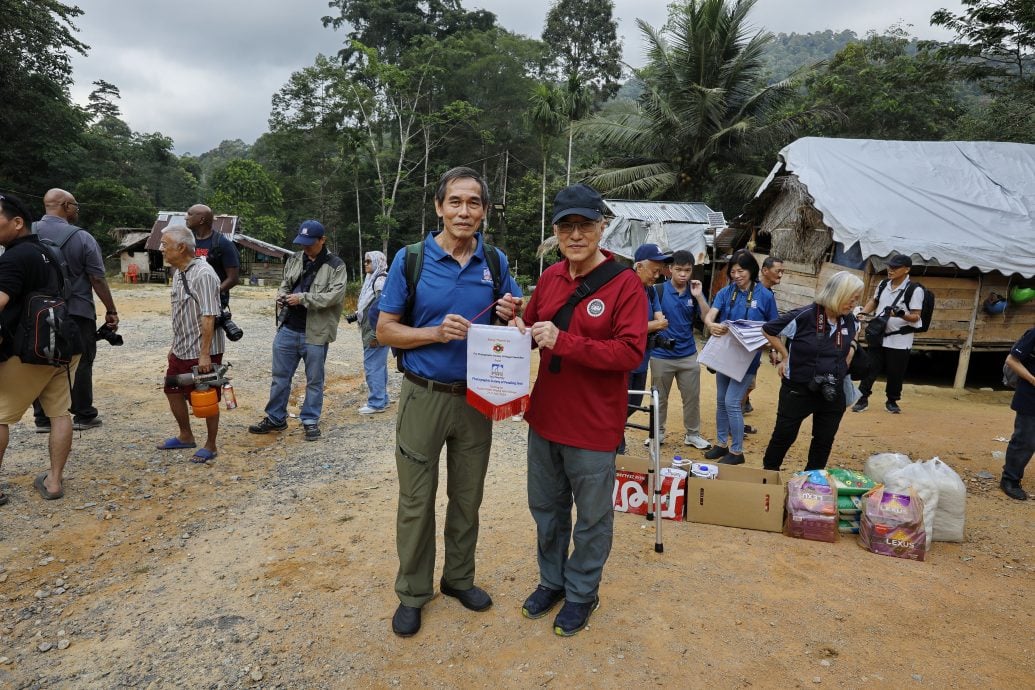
x=406, y=621
x=475, y=598
x=1013, y=489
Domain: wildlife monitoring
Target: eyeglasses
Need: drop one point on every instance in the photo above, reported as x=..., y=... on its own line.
x=585, y=227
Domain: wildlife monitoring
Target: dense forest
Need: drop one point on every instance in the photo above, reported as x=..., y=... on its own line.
x=357, y=139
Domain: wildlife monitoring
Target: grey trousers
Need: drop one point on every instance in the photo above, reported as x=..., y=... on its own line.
x=559, y=475
x=687, y=373
x=426, y=421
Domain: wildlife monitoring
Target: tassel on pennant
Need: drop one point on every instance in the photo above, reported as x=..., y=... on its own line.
x=497, y=413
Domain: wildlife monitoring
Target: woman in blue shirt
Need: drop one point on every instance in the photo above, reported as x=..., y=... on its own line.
x=744, y=298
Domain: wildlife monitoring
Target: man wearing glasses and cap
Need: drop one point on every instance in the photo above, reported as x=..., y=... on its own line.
x=893, y=297
x=577, y=412
x=309, y=302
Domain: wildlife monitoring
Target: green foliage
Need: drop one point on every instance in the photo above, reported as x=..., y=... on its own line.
x=1009, y=116
x=582, y=37
x=244, y=188
x=105, y=204
x=788, y=53
x=885, y=92
x=995, y=41
x=38, y=121
x=390, y=27
x=704, y=109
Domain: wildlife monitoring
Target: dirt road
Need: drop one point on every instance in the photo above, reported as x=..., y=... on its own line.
x=273, y=566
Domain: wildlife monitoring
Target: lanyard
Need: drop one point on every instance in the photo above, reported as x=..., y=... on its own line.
x=821, y=326
x=733, y=298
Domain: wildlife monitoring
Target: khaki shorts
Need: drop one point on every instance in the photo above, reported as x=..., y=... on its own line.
x=23, y=383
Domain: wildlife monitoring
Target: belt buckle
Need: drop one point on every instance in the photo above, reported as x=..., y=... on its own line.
x=457, y=388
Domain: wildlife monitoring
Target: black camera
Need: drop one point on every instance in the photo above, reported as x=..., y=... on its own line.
x=352, y=318
x=106, y=332
x=232, y=330
x=826, y=385
x=656, y=341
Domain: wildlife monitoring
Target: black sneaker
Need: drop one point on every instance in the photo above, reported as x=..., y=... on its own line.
x=312, y=432
x=266, y=426
x=861, y=404
x=748, y=429
x=43, y=428
x=892, y=407
x=732, y=459
x=716, y=452
x=573, y=617
x=84, y=424
x=539, y=602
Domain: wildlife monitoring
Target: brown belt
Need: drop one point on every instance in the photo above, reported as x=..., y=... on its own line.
x=451, y=388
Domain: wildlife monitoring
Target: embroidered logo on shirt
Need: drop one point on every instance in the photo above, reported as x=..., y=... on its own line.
x=595, y=308
x=486, y=275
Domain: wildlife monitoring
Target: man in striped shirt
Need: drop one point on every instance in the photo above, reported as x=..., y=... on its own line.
x=196, y=340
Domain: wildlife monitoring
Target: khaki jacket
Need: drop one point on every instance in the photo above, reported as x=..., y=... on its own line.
x=324, y=300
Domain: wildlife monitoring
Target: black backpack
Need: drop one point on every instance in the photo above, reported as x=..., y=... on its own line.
x=926, y=309
x=412, y=271
x=46, y=333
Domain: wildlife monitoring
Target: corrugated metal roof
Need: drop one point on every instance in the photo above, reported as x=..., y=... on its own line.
x=660, y=211
x=262, y=247
x=224, y=224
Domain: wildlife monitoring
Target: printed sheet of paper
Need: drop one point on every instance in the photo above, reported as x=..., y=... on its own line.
x=499, y=368
x=727, y=355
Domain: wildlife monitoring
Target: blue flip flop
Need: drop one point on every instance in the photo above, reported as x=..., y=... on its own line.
x=175, y=444
x=203, y=455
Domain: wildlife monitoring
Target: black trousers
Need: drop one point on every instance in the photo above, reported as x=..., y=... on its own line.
x=82, y=386
x=637, y=382
x=892, y=363
x=1021, y=447
x=796, y=403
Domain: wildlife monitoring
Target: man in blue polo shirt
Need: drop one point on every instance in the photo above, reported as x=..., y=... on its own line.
x=455, y=288
x=681, y=300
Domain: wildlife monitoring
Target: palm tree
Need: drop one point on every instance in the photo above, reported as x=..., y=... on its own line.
x=547, y=114
x=705, y=107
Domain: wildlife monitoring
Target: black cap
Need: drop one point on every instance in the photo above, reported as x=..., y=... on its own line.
x=578, y=199
x=900, y=260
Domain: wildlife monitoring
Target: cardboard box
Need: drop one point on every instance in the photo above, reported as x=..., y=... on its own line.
x=744, y=497
x=630, y=492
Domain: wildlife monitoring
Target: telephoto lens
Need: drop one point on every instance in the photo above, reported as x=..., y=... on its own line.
x=232, y=330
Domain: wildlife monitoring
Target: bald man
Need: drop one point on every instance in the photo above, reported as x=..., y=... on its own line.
x=86, y=269
x=215, y=248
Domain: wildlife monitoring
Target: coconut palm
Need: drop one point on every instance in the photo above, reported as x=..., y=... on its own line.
x=705, y=107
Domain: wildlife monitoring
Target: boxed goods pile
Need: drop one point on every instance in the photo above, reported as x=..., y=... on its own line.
x=893, y=524
x=735, y=496
x=811, y=507
x=630, y=491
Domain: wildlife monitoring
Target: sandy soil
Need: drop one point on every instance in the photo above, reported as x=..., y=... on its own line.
x=274, y=565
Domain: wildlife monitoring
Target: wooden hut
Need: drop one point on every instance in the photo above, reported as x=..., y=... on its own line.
x=964, y=212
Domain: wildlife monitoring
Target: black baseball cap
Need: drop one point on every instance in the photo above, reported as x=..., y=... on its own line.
x=578, y=200
x=900, y=260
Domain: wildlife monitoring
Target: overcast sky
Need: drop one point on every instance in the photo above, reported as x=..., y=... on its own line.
x=201, y=71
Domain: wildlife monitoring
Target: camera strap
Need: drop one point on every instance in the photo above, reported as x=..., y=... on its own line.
x=594, y=280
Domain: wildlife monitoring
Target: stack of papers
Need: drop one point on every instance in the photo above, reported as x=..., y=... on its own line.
x=732, y=354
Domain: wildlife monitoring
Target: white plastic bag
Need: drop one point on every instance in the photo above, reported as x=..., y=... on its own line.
x=917, y=476
x=952, y=501
x=879, y=465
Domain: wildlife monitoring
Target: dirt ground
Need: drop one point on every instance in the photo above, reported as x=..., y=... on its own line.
x=273, y=566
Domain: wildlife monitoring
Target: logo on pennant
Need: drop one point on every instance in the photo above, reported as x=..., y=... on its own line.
x=497, y=348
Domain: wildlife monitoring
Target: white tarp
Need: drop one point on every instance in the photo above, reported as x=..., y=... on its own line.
x=623, y=235
x=966, y=203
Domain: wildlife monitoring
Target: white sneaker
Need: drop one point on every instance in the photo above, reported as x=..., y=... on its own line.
x=367, y=409
x=661, y=441
x=697, y=441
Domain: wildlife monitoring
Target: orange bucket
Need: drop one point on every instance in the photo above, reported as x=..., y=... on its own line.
x=204, y=403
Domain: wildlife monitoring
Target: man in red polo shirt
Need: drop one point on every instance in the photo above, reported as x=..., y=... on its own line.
x=577, y=410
